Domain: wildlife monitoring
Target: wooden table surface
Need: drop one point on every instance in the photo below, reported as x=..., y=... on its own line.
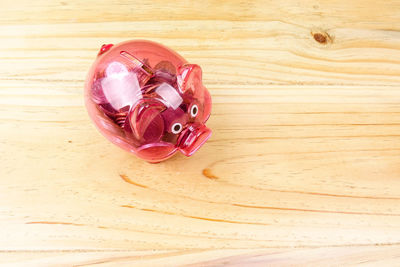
x=303, y=166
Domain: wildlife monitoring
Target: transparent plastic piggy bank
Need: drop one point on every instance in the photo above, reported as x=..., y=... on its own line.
x=147, y=99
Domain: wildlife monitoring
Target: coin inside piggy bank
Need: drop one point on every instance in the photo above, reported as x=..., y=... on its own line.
x=147, y=99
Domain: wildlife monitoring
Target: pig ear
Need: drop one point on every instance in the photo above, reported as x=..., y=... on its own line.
x=188, y=76
x=146, y=121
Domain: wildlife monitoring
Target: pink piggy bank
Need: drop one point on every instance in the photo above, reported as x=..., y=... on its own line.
x=147, y=99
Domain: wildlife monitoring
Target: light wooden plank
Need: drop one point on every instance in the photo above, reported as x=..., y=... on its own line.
x=302, y=168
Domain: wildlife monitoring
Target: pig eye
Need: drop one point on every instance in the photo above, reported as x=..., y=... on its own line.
x=176, y=128
x=194, y=110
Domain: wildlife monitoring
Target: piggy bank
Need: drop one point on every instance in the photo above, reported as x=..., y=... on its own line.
x=147, y=99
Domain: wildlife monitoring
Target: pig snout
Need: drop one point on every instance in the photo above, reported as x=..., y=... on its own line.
x=193, y=138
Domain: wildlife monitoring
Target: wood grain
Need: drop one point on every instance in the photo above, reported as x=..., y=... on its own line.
x=303, y=167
